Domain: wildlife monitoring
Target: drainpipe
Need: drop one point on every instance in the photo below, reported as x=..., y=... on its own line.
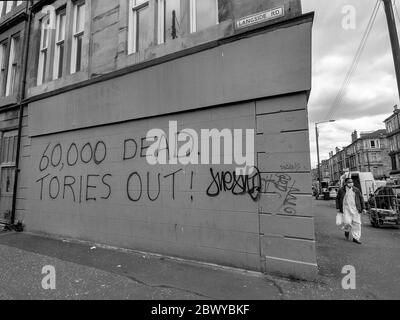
x=21, y=97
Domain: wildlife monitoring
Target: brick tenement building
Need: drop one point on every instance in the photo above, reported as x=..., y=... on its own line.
x=13, y=24
x=392, y=124
x=368, y=152
x=102, y=73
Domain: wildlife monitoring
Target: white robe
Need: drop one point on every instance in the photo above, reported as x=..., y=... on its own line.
x=351, y=217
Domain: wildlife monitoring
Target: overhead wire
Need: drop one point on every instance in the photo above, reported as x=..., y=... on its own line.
x=339, y=97
x=341, y=93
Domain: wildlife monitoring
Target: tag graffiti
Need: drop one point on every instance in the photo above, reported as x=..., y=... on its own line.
x=227, y=181
x=285, y=187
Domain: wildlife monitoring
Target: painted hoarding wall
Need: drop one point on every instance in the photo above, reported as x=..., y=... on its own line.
x=94, y=183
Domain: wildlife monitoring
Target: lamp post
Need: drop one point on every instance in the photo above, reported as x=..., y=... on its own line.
x=319, y=167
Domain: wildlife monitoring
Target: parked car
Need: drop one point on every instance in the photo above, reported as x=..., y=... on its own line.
x=384, y=206
x=333, y=191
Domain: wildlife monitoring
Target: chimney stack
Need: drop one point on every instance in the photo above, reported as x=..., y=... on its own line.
x=354, y=136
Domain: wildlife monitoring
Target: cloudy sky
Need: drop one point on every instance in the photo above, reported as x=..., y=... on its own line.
x=372, y=92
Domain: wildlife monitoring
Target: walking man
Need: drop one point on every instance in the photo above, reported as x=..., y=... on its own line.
x=350, y=203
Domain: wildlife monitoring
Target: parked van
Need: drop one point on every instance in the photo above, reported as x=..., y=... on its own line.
x=324, y=191
x=364, y=181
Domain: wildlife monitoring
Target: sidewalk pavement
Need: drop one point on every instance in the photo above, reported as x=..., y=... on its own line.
x=85, y=272
x=88, y=271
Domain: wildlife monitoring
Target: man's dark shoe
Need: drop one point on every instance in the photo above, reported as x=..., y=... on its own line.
x=347, y=234
x=357, y=241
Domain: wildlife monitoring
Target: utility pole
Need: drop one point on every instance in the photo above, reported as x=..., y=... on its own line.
x=394, y=40
x=319, y=168
x=316, y=138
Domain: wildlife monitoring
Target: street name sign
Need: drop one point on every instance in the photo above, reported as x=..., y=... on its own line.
x=260, y=17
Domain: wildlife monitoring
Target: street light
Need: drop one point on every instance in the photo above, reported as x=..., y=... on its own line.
x=319, y=168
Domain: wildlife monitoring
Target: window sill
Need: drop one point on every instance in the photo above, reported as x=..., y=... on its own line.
x=187, y=41
x=12, y=14
x=9, y=100
x=58, y=83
